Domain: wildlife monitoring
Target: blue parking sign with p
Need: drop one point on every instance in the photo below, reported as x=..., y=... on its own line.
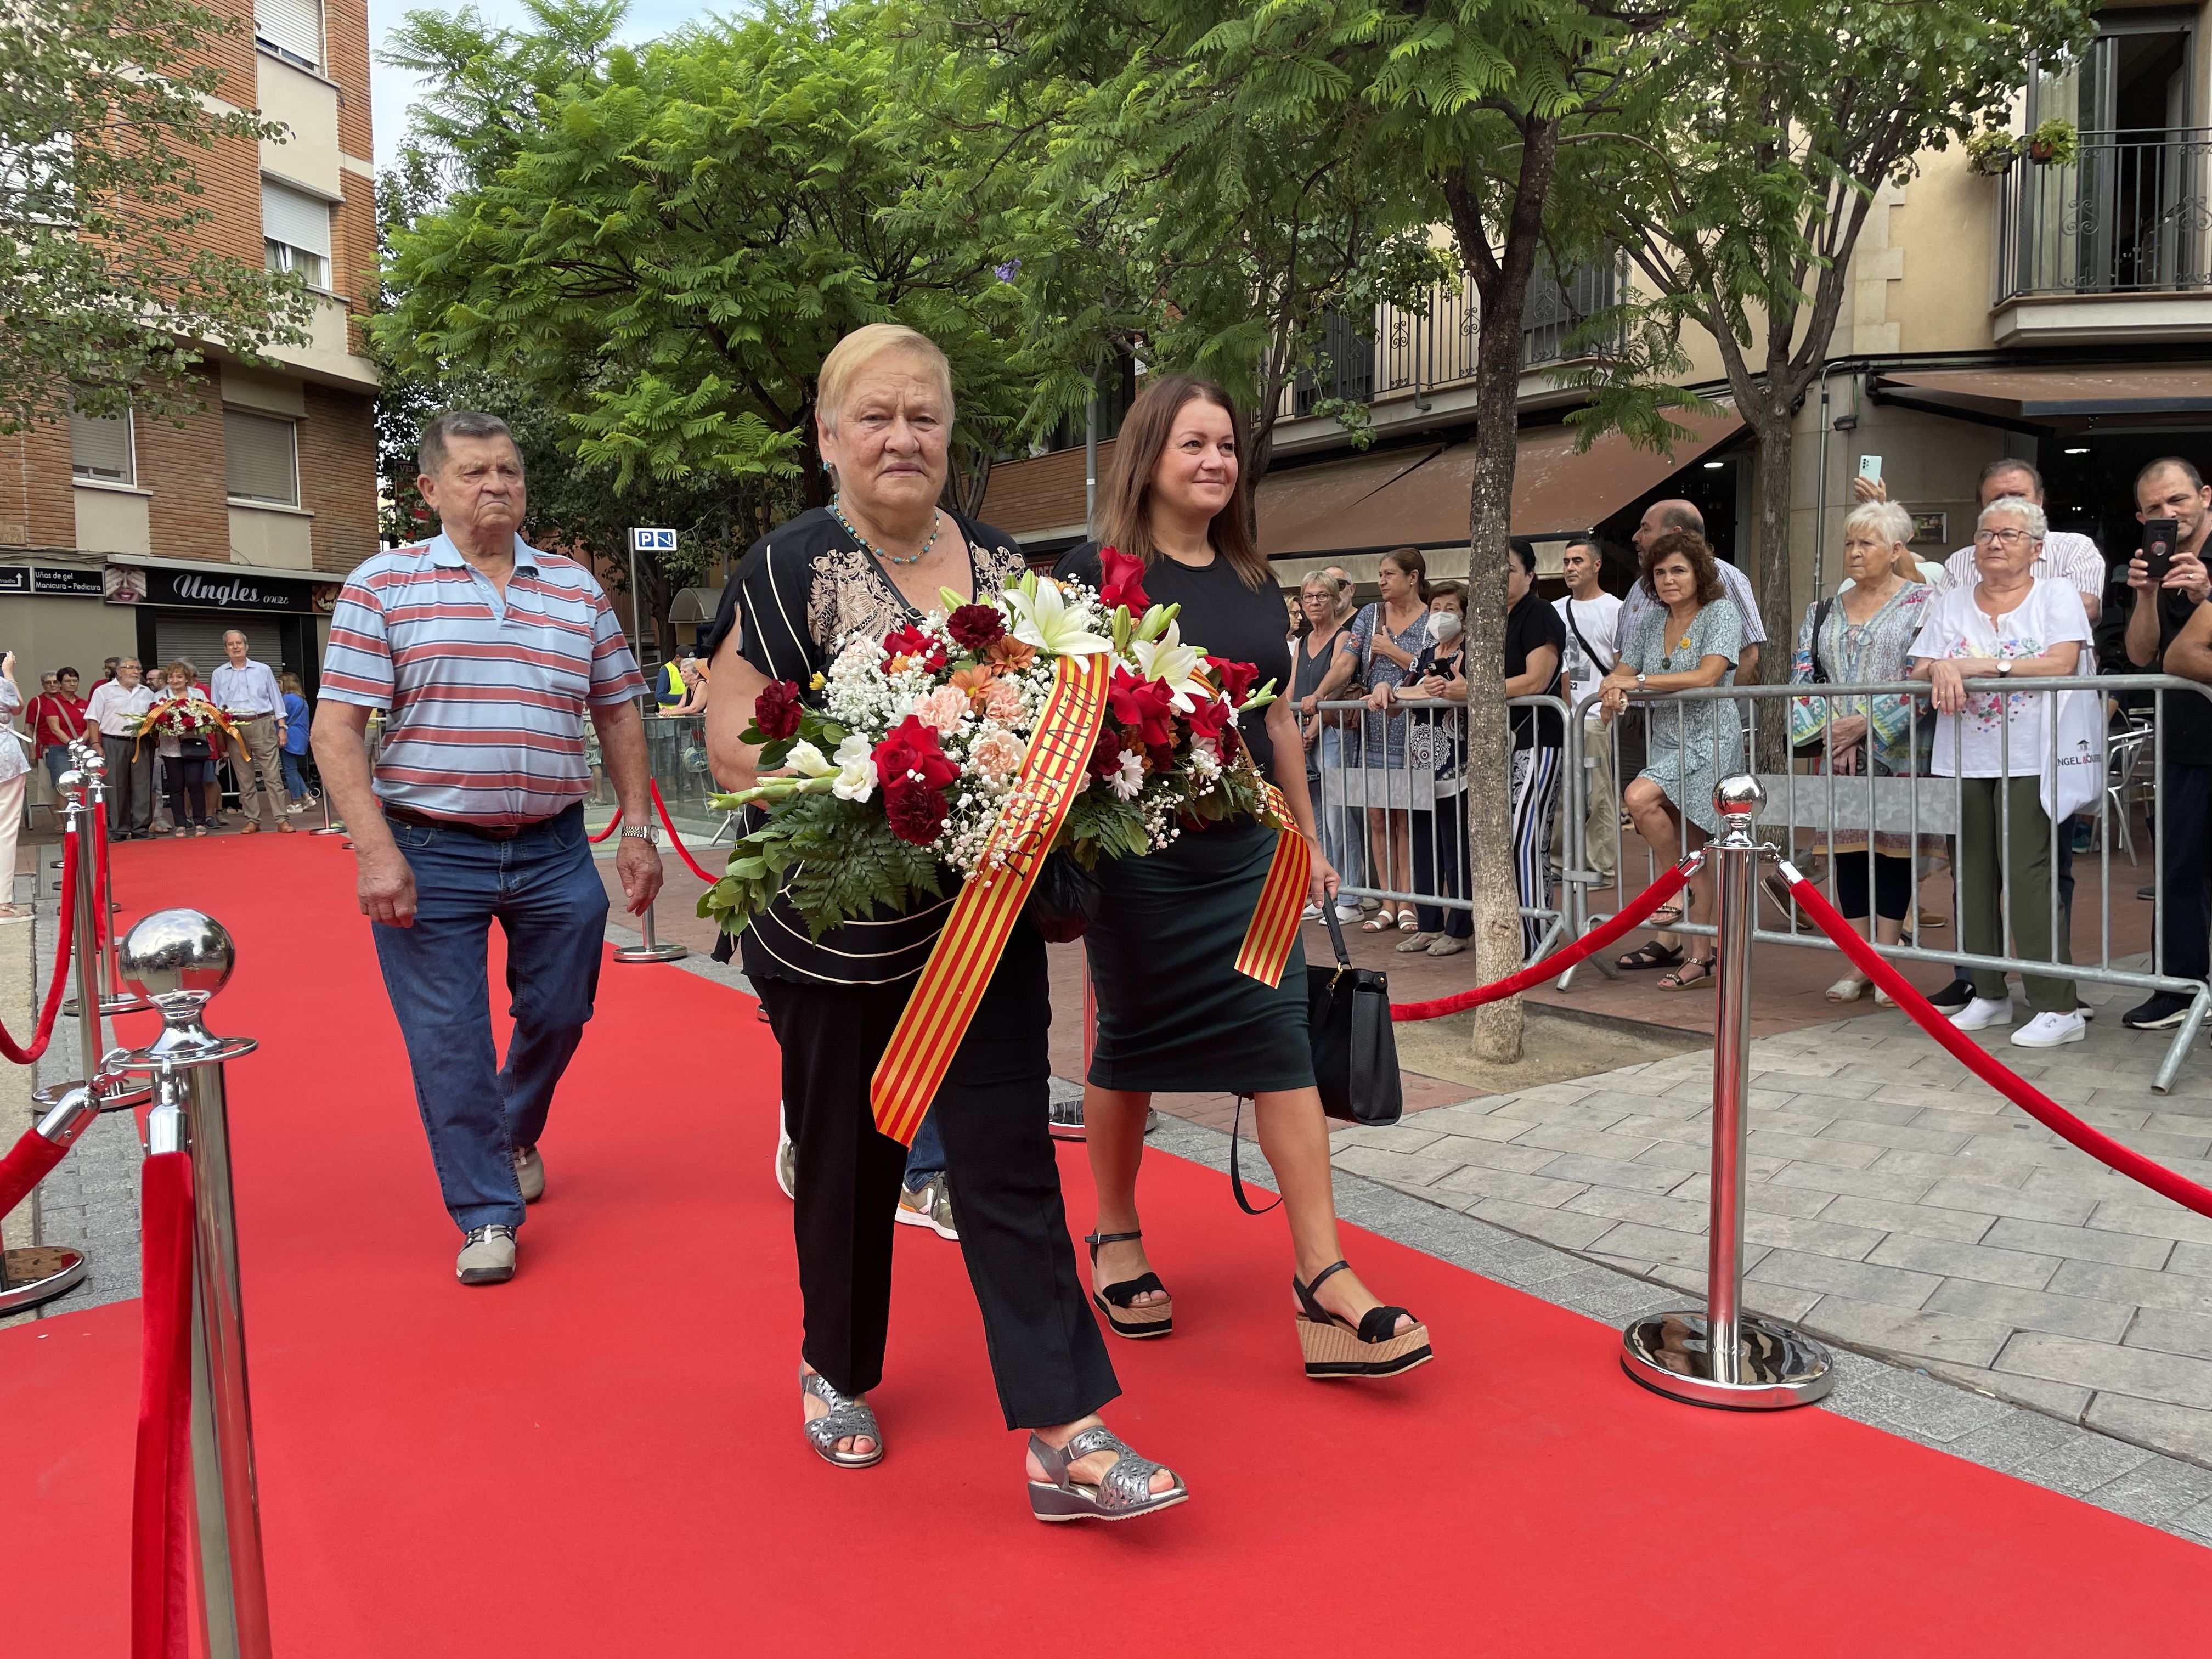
x=652, y=541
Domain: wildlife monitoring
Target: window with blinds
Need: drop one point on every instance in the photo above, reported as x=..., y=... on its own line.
x=258, y=460
x=292, y=29
x=100, y=448
x=295, y=232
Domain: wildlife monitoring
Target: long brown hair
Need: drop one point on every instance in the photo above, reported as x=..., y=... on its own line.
x=1125, y=505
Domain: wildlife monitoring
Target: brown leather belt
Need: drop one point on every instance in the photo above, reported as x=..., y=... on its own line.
x=481, y=831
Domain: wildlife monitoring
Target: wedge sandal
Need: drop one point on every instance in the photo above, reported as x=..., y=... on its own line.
x=1124, y=1492
x=1118, y=1302
x=1335, y=1346
x=845, y=1419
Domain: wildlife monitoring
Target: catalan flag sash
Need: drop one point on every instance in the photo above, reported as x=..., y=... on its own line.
x=1266, y=948
x=967, y=952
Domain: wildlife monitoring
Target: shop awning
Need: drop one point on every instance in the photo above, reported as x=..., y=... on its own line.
x=1300, y=507
x=2054, y=394
x=1558, y=488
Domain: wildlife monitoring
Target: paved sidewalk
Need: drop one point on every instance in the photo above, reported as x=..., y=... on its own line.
x=1896, y=1203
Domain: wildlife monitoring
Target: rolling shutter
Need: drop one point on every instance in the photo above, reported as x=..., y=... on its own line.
x=294, y=27
x=197, y=639
x=295, y=218
x=99, y=447
x=258, y=457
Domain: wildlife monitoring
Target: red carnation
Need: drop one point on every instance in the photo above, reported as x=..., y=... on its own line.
x=1237, y=678
x=910, y=751
x=917, y=644
x=916, y=811
x=1146, y=706
x=1106, y=754
x=776, y=710
x=1122, y=581
x=1209, y=718
x=974, y=627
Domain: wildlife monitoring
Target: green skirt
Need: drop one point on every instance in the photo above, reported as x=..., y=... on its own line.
x=1174, y=1014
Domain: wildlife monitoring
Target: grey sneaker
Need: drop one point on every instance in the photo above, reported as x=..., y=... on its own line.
x=929, y=1205
x=530, y=1174
x=786, y=1158
x=487, y=1256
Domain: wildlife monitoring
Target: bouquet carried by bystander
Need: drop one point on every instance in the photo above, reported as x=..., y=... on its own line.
x=203, y=731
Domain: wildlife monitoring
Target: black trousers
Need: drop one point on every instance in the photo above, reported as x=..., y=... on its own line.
x=1047, y=1355
x=1892, y=885
x=2184, y=857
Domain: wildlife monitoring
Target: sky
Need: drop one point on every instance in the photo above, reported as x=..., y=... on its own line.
x=392, y=91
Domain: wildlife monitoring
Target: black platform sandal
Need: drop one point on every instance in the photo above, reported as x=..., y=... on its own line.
x=1116, y=1301
x=1652, y=954
x=1335, y=1346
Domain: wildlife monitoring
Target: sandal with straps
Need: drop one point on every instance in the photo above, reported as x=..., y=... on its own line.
x=1335, y=1346
x=1123, y=1493
x=1117, y=1301
x=846, y=1419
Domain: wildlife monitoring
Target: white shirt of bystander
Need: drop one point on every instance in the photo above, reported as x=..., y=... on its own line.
x=115, y=707
x=2007, y=735
x=1595, y=624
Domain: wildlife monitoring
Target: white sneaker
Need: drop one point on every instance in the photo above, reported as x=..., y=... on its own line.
x=1981, y=1013
x=1311, y=913
x=2049, y=1030
x=786, y=1158
x=1348, y=913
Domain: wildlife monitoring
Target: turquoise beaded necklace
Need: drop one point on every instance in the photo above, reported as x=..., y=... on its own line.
x=936, y=526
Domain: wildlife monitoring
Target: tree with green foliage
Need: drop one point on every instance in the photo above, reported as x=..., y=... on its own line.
x=1741, y=200
x=107, y=300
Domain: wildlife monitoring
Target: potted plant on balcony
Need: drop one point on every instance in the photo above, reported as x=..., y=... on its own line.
x=2054, y=143
x=1991, y=153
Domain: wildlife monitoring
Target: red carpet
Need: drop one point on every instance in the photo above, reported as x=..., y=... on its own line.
x=603, y=1459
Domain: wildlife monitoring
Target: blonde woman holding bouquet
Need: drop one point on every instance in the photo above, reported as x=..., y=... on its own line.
x=1173, y=1011
x=874, y=562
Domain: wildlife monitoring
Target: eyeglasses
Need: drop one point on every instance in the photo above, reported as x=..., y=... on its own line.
x=2007, y=538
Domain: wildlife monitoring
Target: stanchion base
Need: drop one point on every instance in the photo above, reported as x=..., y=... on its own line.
x=120, y=1002
x=334, y=830
x=118, y=1094
x=652, y=953
x=1067, y=1119
x=1777, y=1367
x=38, y=1274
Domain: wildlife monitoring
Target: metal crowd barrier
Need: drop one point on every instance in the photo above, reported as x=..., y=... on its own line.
x=1807, y=810
x=1363, y=787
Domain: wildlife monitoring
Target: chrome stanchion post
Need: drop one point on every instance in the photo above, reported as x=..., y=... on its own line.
x=36, y=1273
x=109, y=1087
x=180, y=958
x=1723, y=1356
x=113, y=998
x=648, y=948
x=322, y=794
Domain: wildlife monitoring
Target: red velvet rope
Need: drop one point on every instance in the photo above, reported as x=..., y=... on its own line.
x=26, y=1164
x=682, y=851
x=101, y=920
x=1637, y=912
x=1986, y=1066
x=28, y=1053
x=161, y=1483
x=613, y=824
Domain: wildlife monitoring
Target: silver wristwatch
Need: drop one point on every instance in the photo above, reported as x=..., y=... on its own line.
x=2005, y=668
x=1640, y=678
x=647, y=833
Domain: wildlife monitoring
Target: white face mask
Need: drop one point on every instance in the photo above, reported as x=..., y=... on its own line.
x=1444, y=626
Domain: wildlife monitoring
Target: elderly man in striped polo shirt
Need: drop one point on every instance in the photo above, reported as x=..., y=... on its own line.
x=489, y=655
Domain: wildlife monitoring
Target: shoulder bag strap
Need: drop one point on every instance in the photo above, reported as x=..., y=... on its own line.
x=1589, y=650
x=1236, y=1177
x=1820, y=621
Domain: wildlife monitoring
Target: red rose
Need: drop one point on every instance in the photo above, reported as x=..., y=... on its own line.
x=1237, y=678
x=775, y=710
x=1146, y=706
x=974, y=627
x=916, y=643
x=1121, y=580
x=1209, y=718
x=916, y=812
x=910, y=751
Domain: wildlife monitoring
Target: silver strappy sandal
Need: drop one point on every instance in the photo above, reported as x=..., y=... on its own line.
x=845, y=1419
x=1125, y=1491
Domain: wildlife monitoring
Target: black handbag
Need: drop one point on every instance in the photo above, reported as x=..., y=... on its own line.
x=1065, y=901
x=1355, y=1052
x=195, y=748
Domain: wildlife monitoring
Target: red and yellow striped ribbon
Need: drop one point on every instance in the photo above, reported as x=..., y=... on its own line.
x=967, y=952
x=1266, y=948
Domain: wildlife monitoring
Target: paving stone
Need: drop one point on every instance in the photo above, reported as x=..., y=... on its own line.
x=1799, y=1233
x=2173, y=1378
x=1622, y=1264
x=1587, y=1142
x=1892, y=1185
x=1908, y=1138
x=2195, y=1260
x=2196, y=1523
x=1492, y=1154
x=2079, y=1243
x=2158, y=1491
x=1976, y=1262
x=1681, y=1250
x=1400, y=1168
x=1784, y=1119
x=1898, y=1286
x=1649, y=1209
x=1937, y=1166
x=1774, y=1200
x=1666, y=1132
x=2184, y=1428
x=2084, y=1463
x=1969, y=1193
x=1472, y=1181
x=2152, y=1217
x=2137, y=1287
x=1925, y=1219
x=1894, y=1329
x=1612, y=1172
x=2060, y=1400
x=2017, y=1441
x=2169, y=1330
x=1410, y=1136
x=2034, y=1310
x=1812, y=1149
x=1567, y=1231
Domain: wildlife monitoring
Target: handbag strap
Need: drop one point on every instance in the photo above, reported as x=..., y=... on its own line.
x=1236, y=1177
x=1820, y=621
x=1335, y=936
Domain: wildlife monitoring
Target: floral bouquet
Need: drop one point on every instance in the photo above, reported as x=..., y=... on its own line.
x=190, y=719
x=922, y=758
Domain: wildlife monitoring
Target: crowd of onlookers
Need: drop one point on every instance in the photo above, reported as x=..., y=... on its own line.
x=165, y=774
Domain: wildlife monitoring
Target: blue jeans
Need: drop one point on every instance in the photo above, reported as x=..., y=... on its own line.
x=545, y=892
x=925, y=1157
x=56, y=756
x=296, y=780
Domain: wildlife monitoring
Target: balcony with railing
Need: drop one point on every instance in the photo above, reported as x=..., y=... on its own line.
x=2114, y=245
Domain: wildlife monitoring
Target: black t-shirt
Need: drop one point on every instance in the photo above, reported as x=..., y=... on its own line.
x=2185, y=722
x=1528, y=625
x=1221, y=616
x=800, y=592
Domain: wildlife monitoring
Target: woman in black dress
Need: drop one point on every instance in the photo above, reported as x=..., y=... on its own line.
x=870, y=562
x=1173, y=1011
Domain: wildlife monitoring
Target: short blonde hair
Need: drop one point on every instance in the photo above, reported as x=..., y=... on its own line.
x=862, y=346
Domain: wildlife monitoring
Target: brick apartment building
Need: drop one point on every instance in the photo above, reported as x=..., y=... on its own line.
x=139, y=536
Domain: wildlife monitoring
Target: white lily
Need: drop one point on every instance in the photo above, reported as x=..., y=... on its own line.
x=1174, y=665
x=1043, y=619
x=803, y=758
x=856, y=774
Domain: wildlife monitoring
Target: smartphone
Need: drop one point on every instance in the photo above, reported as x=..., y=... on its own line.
x=1870, y=468
x=2159, y=538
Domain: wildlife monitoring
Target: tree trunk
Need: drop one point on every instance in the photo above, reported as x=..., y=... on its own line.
x=1775, y=437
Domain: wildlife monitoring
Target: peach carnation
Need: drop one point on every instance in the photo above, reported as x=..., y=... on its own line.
x=996, y=754
x=942, y=709
x=1002, y=700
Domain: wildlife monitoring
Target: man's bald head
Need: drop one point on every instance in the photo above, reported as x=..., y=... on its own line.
x=1662, y=517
